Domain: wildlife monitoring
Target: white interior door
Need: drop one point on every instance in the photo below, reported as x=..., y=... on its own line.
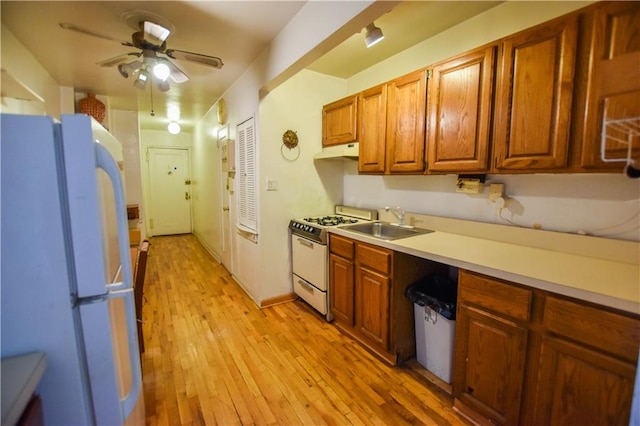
x=225, y=181
x=169, y=191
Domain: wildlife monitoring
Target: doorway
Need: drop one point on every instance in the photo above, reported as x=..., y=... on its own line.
x=169, y=191
x=226, y=170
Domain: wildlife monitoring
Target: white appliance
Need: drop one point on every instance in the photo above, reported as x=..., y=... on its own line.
x=310, y=257
x=66, y=275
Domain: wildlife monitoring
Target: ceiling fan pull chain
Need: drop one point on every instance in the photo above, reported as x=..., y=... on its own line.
x=151, y=90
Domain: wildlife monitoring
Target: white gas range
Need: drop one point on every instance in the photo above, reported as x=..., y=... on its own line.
x=310, y=257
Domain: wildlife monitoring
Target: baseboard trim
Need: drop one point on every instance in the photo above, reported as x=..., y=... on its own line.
x=277, y=300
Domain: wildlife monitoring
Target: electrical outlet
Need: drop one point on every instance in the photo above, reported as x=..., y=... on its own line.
x=468, y=186
x=496, y=190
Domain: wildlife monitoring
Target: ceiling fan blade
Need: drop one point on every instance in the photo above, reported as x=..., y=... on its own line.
x=74, y=27
x=177, y=76
x=116, y=60
x=212, y=61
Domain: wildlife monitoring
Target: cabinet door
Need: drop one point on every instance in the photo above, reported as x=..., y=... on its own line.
x=406, y=104
x=489, y=364
x=459, y=113
x=533, y=106
x=341, y=296
x=339, y=121
x=372, y=126
x=372, y=306
x=578, y=386
x=613, y=87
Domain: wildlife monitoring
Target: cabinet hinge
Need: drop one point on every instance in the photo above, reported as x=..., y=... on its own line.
x=428, y=74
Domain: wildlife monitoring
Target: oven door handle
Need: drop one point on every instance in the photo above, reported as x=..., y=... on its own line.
x=305, y=285
x=305, y=242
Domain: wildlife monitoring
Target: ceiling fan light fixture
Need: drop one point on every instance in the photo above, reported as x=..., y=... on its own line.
x=153, y=31
x=163, y=85
x=373, y=35
x=127, y=70
x=173, y=128
x=161, y=71
x=141, y=81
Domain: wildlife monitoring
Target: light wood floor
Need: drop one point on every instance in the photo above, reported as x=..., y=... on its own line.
x=213, y=357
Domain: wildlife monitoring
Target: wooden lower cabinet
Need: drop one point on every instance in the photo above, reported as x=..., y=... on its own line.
x=492, y=372
x=372, y=316
x=525, y=356
x=578, y=385
x=367, y=285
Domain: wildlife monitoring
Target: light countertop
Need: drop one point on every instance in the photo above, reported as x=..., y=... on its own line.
x=602, y=271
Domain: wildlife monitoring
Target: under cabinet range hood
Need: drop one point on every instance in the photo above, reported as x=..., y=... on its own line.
x=349, y=151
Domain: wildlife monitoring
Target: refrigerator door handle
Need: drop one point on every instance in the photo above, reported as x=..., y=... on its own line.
x=128, y=402
x=106, y=162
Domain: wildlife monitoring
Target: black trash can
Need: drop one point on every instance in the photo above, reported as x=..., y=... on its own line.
x=434, y=309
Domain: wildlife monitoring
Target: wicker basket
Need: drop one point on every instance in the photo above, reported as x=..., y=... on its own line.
x=92, y=106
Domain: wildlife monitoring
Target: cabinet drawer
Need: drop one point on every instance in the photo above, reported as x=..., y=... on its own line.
x=341, y=246
x=313, y=296
x=495, y=295
x=375, y=258
x=608, y=331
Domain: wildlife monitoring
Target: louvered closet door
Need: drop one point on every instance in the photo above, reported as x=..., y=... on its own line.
x=247, y=200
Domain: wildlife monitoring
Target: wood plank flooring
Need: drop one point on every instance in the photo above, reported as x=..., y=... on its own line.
x=213, y=357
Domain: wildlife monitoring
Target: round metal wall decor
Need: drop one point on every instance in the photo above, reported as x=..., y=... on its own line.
x=290, y=140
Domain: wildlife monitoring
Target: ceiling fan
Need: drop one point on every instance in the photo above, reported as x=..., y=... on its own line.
x=153, y=55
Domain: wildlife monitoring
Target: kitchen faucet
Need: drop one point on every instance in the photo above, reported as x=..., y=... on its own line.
x=397, y=212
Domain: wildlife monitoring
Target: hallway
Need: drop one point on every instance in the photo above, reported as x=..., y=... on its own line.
x=213, y=357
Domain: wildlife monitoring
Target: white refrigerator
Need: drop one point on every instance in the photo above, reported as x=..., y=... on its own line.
x=66, y=286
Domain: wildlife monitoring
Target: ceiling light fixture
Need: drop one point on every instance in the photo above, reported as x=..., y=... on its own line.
x=141, y=81
x=127, y=70
x=163, y=85
x=373, y=35
x=161, y=71
x=173, y=128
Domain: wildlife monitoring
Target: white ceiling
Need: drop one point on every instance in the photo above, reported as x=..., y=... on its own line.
x=235, y=31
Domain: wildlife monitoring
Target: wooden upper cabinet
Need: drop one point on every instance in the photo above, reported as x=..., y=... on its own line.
x=534, y=95
x=406, y=104
x=459, y=112
x=339, y=121
x=372, y=128
x=612, y=87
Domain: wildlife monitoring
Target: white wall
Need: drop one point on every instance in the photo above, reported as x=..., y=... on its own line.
x=601, y=204
x=205, y=184
x=303, y=187
x=262, y=267
x=125, y=127
x=21, y=68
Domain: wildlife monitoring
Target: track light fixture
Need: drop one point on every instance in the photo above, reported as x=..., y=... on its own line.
x=373, y=35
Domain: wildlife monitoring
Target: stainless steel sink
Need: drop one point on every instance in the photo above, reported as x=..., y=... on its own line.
x=385, y=231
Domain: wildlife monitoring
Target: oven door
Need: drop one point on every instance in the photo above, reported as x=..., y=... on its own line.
x=309, y=261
